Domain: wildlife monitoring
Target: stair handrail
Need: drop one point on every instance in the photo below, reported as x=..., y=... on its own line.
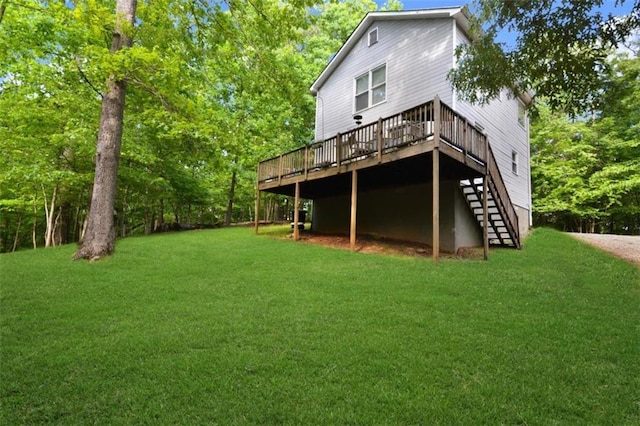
x=503, y=197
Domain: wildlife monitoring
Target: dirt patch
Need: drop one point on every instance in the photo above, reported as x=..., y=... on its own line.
x=376, y=245
x=626, y=247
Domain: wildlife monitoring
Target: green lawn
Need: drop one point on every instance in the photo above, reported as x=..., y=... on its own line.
x=225, y=327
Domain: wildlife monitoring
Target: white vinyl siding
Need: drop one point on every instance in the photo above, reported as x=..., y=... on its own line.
x=417, y=54
x=509, y=141
x=500, y=119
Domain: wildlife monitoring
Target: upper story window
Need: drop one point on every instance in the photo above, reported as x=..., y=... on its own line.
x=371, y=88
x=373, y=36
x=514, y=162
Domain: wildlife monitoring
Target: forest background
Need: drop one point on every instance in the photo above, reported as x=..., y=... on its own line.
x=215, y=87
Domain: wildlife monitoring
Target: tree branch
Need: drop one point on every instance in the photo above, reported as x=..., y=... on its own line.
x=163, y=100
x=86, y=79
x=3, y=7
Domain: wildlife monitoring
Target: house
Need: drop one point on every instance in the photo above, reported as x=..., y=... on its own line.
x=397, y=154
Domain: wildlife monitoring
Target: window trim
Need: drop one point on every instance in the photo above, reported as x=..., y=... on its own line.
x=370, y=88
x=359, y=94
x=515, y=162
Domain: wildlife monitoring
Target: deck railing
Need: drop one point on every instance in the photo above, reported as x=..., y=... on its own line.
x=388, y=134
x=457, y=131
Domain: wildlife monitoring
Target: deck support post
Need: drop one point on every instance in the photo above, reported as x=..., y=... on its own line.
x=354, y=209
x=485, y=201
x=296, y=213
x=436, y=204
x=436, y=181
x=257, y=212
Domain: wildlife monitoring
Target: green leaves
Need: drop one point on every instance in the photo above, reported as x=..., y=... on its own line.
x=212, y=88
x=560, y=53
x=585, y=171
x=590, y=170
x=484, y=69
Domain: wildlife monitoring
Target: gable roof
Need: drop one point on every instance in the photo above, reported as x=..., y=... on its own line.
x=460, y=14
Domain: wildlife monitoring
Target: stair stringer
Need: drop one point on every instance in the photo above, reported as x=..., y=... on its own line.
x=502, y=221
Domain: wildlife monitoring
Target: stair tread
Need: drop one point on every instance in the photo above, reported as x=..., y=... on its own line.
x=498, y=230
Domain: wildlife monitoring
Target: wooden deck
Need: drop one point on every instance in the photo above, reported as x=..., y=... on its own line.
x=404, y=135
x=416, y=144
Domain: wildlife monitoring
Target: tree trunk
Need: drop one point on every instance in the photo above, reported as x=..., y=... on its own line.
x=77, y=223
x=148, y=219
x=160, y=222
x=3, y=8
x=34, y=229
x=16, y=239
x=99, y=239
x=232, y=194
x=49, y=213
x=57, y=229
x=123, y=215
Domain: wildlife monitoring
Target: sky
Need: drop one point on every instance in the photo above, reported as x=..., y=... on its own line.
x=608, y=7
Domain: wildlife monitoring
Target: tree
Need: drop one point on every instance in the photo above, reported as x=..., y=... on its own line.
x=586, y=172
x=617, y=184
x=99, y=239
x=211, y=89
x=560, y=53
x=44, y=135
x=563, y=156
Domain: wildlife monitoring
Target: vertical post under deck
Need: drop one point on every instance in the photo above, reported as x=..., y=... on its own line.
x=354, y=209
x=436, y=180
x=436, y=203
x=485, y=200
x=485, y=215
x=257, y=212
x=296, y=213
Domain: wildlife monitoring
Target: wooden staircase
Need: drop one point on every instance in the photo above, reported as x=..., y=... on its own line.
x=502, y=221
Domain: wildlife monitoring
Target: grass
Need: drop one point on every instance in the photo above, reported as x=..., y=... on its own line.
x=225, y=327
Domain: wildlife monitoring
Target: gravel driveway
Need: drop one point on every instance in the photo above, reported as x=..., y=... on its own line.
x=626, y=247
